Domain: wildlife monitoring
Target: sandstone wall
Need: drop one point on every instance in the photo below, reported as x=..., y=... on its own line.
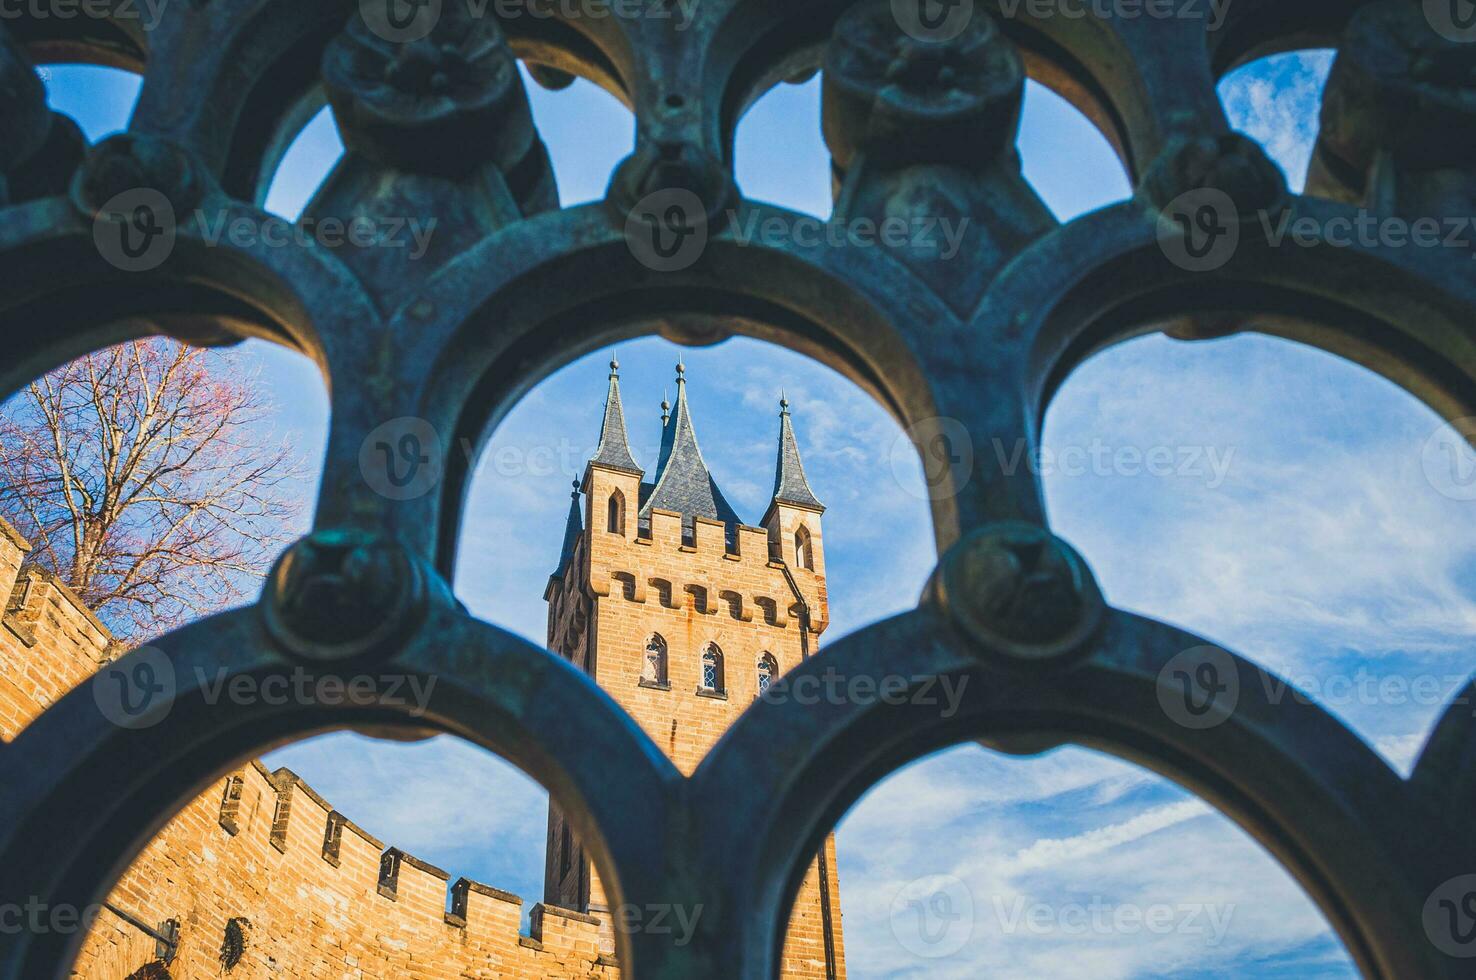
x=314, y=894
x=623, y=588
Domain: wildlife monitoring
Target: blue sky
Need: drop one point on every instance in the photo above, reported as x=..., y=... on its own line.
x=1318, y=548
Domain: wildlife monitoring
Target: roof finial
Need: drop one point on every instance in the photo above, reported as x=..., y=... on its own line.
x=614, y=364
x=665, y=407
x=783, y=403
x=681, y=372
x=575, y=485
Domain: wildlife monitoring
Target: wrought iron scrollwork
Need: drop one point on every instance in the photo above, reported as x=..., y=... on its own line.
x=437, y=125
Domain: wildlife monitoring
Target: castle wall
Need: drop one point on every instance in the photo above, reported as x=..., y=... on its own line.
x=49, y=641
x=319, y=896
x=318, y=904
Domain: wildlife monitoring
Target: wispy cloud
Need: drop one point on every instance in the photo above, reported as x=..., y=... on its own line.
x=1277, y=101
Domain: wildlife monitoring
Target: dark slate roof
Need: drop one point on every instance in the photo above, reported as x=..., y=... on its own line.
x=572, y=530
x=790, y=485
x=683, y=482
x=614, y=448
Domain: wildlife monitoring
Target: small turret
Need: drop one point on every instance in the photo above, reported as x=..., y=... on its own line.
x=612, y=480
x=793, y=522
x=790, y=485
x=572, y=530
x=614, y=447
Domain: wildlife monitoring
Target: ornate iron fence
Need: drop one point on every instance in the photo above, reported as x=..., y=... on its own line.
x=921, y=101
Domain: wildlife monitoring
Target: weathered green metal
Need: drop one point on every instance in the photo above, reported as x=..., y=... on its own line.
x=968, y=347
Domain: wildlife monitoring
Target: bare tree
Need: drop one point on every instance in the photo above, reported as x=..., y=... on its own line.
x=148, y=478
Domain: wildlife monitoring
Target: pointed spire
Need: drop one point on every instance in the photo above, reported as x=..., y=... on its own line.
x=683, y=481
x=790, y=485
x=573, y=528
x=614, y=447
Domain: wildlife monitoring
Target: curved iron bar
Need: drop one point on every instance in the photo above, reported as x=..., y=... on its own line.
x=516, y=288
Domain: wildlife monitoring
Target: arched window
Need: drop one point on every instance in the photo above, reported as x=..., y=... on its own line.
x=653, y=670
x=615, y=514
x=768, y=669
x=802, y=554
x=712, y=669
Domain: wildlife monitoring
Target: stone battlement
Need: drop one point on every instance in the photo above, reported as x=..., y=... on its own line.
x=313, y=893
x=321, y=896
x=49, y=640
x=736, y=570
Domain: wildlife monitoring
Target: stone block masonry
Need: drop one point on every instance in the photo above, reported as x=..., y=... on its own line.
x=683, y=613
x=312, y=894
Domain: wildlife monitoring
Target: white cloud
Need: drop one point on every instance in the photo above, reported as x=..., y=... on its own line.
x=1277, y=101
x=1048, y=853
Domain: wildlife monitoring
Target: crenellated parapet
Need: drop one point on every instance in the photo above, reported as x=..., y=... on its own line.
x=49, y=640
x=321, y=896
x=721, y=569
x=262, y=853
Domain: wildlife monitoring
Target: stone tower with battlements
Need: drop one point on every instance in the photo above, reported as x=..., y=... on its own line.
x=683, y=614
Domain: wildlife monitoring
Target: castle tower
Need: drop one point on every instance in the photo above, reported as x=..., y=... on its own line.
x=683, y=614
